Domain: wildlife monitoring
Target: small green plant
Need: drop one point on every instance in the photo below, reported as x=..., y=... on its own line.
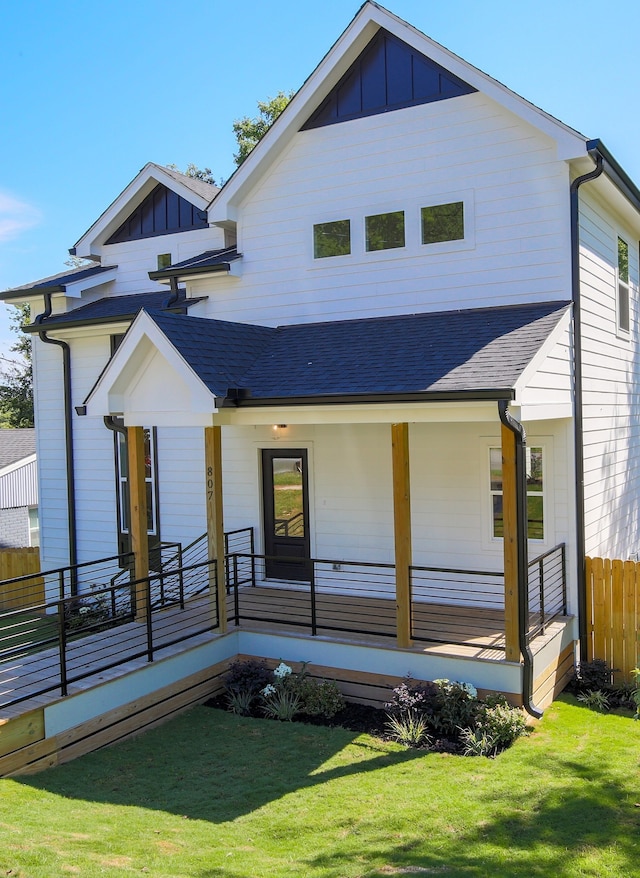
x=88, y=613
x=635, y=695
x=456, y=706
x=280, y=702
x=501, y=723
x=477, y=742
x=241, y=702
x=319, y=697
x=594, y=699
x=408, y=728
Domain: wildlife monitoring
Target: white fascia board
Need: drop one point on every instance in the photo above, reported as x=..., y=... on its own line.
x=142, y=338
x=75, y=289
x=18, y=464
x=91, y=242
x=223, y=209
x=562, y=329
x=363, y=413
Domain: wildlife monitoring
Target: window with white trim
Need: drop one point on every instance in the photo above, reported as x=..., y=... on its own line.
x=623, y=286
x=534, y=458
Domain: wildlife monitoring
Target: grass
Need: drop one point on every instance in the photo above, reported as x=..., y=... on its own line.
x=212, y=795
x=27, y=631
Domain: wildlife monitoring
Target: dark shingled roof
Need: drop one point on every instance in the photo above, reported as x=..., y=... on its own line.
x=203, y=263
x=112, y=309
x=478, y=350
x=57, y=282
x=16, y=444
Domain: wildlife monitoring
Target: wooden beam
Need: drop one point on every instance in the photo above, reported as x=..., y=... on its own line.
x=138, y=516
x=402, y=530
x=215, y=526
x=510, y=545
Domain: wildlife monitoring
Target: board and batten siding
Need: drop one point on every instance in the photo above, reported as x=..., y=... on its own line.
x=611, y=385
x=468, y=148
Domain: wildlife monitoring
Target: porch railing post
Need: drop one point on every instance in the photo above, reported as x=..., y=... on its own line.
x=312, y=583
x=215, y=528
x=236, y=595
x=541, y=578
x=62, y=647
x=180, y=578
x=149, y=620
x=563, y=556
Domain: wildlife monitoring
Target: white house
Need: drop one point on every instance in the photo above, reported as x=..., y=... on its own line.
x=18, y=489
x=401, y=341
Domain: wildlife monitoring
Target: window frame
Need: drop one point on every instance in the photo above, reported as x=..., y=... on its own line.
x=623, y=285
x=326, y=223
x=426, y=207
x=548, y=524
x=368, y=216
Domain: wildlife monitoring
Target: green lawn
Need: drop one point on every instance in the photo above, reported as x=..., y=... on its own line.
x=211, y=795
x=27, y=631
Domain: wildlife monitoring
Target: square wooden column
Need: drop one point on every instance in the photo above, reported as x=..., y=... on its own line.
x=402, y=530
x=510, y=544
x=138, y=516
x=215, y=527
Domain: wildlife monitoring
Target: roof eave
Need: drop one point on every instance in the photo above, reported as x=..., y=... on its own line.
x=615, y=172
x=483, y=395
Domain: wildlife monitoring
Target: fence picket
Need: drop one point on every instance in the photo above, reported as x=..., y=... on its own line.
x=617, y=630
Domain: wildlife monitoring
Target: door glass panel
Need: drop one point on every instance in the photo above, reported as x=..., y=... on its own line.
x=288, y=509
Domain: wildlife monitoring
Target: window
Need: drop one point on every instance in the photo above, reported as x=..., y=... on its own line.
x=332, y=239
x=442, y=222
x=34, y=526
x=623, y=285
x=535, y=492
x=164, y=260
x=385, y=231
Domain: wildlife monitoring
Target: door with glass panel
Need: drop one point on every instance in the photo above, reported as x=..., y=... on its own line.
x=286, y=514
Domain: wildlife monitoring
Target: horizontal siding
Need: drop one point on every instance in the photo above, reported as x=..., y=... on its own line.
x=611, y=409
x=467, y=147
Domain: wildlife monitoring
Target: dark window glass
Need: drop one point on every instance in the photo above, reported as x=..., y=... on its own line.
x=332, y=239
x=443, y=222
x=164, y=260
x=623, y=285
x=385, y=231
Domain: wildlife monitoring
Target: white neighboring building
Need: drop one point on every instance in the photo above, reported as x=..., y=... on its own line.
x=18, y=489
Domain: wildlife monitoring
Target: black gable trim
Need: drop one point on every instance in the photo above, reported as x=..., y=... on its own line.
x=387, y=75
x=163, y=212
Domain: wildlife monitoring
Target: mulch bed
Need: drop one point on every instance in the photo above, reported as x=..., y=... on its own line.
x=361, y=718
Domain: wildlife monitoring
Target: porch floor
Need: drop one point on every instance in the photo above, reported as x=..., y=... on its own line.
x=278, y=610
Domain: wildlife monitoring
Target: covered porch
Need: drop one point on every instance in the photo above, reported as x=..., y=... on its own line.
x=159, y=376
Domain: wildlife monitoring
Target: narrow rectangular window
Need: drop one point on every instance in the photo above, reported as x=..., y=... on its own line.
x=332, y=239
x=623, y=285
x=164, y=260
x=385, y=231
x=443, y=222
x=535, y=492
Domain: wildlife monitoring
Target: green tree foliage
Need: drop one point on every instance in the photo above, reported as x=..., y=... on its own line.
x=16, y=377
x=249, y=131
x=204, y=174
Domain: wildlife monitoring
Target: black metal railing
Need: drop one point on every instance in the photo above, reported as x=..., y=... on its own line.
x=83, y=636
x=458, y=607
x=547, y=584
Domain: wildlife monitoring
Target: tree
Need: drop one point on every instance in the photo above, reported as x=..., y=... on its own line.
x=249, y=131
x=16, y=387
x=204, y=174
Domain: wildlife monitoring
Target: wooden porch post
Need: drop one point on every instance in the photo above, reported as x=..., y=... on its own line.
x=402, y=530
x=215, y=527
x=138, y=516
x=510, y=544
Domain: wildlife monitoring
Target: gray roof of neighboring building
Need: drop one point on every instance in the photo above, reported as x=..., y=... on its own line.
x=476, y=351
x=57, y=282
x=113, y=309
x=16, y=444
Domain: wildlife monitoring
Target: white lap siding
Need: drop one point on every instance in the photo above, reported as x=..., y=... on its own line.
x=611, y=386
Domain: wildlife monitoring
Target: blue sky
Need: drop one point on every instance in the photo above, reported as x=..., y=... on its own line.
x=90, y=91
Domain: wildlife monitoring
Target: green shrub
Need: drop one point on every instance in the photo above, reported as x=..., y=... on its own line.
x=593, y=675
x=319, y=697
x=502, y=724
x=477, y=742
x=249, y=676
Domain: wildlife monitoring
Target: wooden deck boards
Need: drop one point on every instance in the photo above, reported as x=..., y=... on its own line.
x=459, y=631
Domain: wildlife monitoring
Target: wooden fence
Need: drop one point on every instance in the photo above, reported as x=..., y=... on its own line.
x=613, y=609
x=20, y=562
